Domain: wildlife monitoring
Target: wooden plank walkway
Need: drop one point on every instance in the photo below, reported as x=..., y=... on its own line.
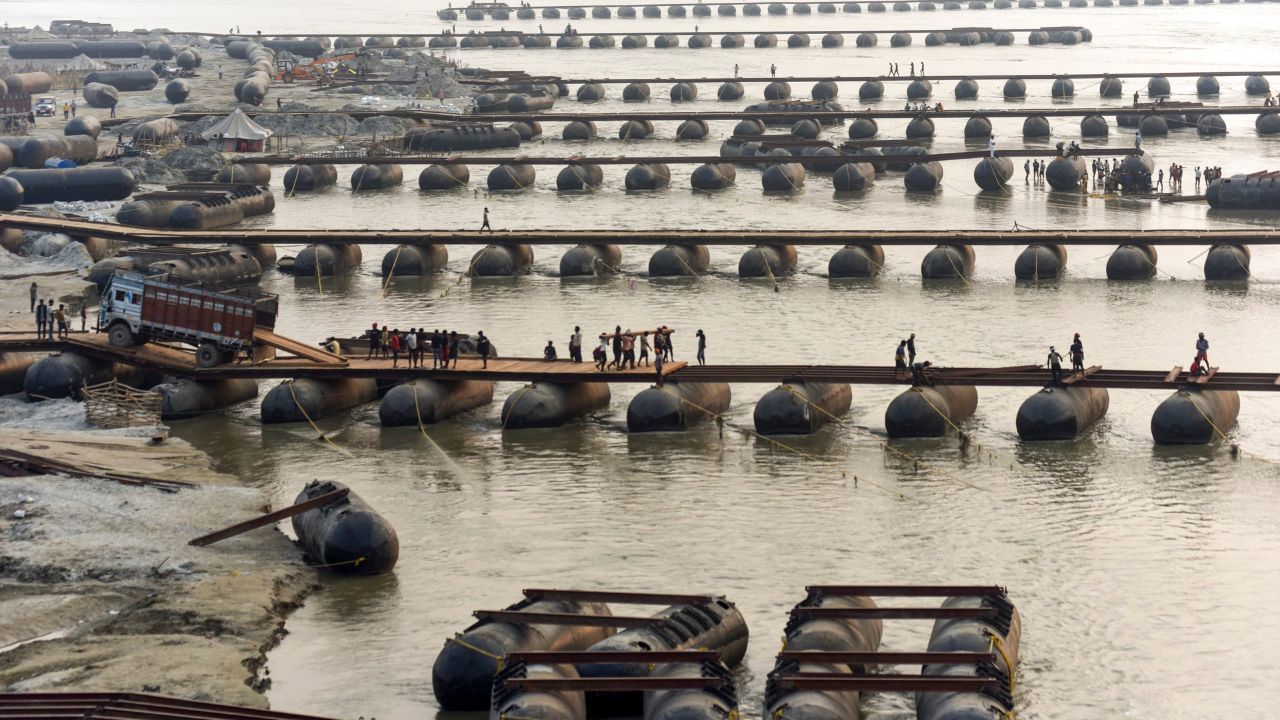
x=180, y=361
x=565, y=115
x=497, y=76
x=424, y=159
x=675, y=236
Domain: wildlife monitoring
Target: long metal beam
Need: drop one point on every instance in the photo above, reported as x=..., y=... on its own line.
x=659, y=237
x=615, y=596
x=564, y=115
x=496, y=77
x=659, y=159
x=810, y=31
x=166, y=360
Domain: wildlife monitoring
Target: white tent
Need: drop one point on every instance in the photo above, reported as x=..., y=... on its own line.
x=84, y=62
x=237, y=133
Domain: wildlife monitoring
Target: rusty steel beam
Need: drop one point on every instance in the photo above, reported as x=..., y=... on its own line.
x=445, y=159
x=888, y=658
x=537, y=618
x=909, y=590
x=133, y=705
x=614, y=656
x=270, y=518
x=616, y=684
x=496, y=78
x=635, y=598
x=879, y=613
x=888, y=683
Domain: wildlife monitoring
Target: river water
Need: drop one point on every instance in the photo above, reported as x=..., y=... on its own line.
x=1145, y=575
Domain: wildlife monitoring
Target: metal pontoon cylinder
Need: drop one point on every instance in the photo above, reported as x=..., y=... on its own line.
x=1061, y=413
x=929, y=411
x=183, y=398
x=62, y=376
x=431, y=401
x=297, y=400
x=591, y=260
x=1040, y=261
x=1194, y=416
x=548, y=405
x=801, y=408
x=326, y=259
x=1132, y=262
x=676, y=406
x=948, y=262
x=347, y=536
x=407, y=260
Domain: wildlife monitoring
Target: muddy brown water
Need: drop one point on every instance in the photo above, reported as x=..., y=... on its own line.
x=1145, y=575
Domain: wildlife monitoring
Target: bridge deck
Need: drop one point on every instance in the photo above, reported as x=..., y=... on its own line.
x=888, y=238
x=180, y=361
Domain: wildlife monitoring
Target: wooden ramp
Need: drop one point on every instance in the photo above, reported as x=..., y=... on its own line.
x=293, y=347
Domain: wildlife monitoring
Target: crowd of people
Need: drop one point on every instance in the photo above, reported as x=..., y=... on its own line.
x=415, y=343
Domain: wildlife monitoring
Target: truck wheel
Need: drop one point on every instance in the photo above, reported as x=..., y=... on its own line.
x=208, y=355
x=120, y=335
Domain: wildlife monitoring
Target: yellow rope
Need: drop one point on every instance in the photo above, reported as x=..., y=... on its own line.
x=998, y=644
x=748, y=431
x=769, y=269
x=947, y=252
x=883, y=446
x=315, y=249
x=924, y=396
x=392, y=272
x=515, y=401
x=457, y=639
x=355, y=562
x=467, y=273
x=303, y=410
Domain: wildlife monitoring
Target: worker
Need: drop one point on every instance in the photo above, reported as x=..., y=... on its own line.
x=913, y=69
x=773, y=70
x=1137, y=141
x=657, y=363
x=735, y=69
x=66, y=111
x=1135, y=98
x=1026, y=170
x=485, y=225
x=911, y=349
x=84, y=317
x=1202, y=349
x=1077, y=354
x=575, y=345
x=483, y=348
x=437, y=349
x=644, y=348
x=73, y=107
x=411, y=346
x=1055, y=365
x=601, y=353
x=453, y=347
x=900, y=360
x=549, y=352
x=42, y=319
x=628, y=350
x=991, y=145
x=34, y=289
x=702, y=347
x=918, y=376
x=617, y=348
x=60, y=316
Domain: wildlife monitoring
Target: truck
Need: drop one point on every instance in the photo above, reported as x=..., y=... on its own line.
x=138, y=308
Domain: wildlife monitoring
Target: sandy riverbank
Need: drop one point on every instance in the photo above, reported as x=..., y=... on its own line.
x=99, y=590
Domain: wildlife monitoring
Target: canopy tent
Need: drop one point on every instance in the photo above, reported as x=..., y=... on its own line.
x=237, y=133
x=84, y=62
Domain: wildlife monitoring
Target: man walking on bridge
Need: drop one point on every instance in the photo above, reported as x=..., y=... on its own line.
x=483, y=348
x=485, y=225
x=1055, y=365
x=702, y=347
x=35, y=289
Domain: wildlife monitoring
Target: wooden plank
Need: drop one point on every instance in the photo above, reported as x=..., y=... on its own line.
x=1173, y=374
x=270, y=518
x=266, y=336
